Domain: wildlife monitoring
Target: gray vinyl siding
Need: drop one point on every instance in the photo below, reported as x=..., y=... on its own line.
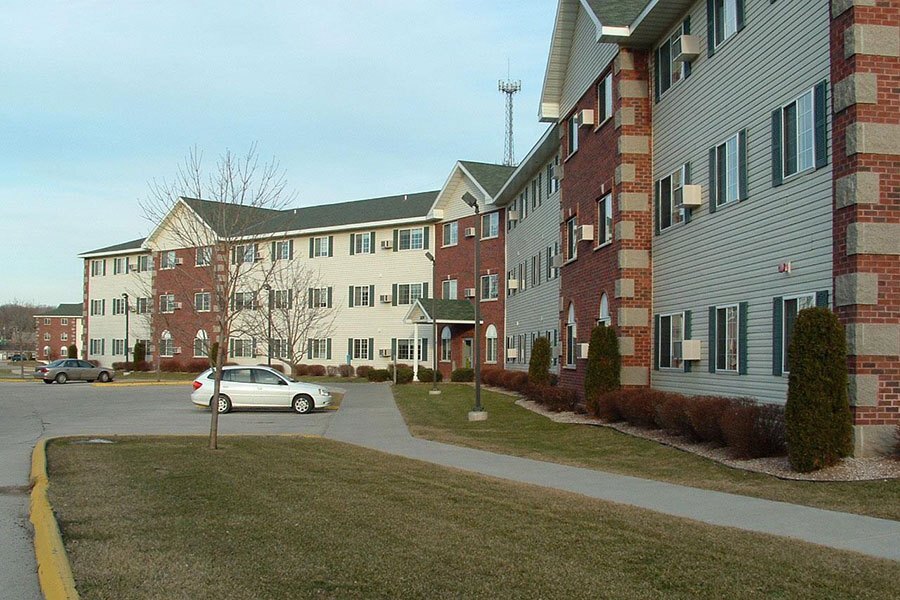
x=732, y=255
x=536, y=309
x=587, y=60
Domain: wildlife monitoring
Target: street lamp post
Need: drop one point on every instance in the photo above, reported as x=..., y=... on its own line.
x=477, y=413
x=125, y=298
x=434, y=351
x=268, y=289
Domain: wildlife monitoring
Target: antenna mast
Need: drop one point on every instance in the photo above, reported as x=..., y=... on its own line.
x=509, y=88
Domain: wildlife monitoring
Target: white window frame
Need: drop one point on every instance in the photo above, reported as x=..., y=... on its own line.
x=280, y=348
x=735, y=340
x=98, y=268
x=167, y=260
x=166, y=304
x=282, y=299
x=490, y=344
x=203, y=301
x=668, y=185
x=604, y=100
x=166, y=345
x=571, y=244
x=415, y=238
x=450, y=236
x=118, y=347
x=62, y=321
x=447, y=286
x=142, y=306
x=808, y=132
x=320, y=297
x=202, y=337
x=669, y=320
x=604, y=221
x=321, y=247
x=405, y=348
x=446, y=344
x=490, y=225
x=729, y=151
x=490, y=287
x=145, y=263
x=203, y=256
x=571, y=340
x=361, y=296
x=361, y=350
x=604, y=318
x=319, y=349
x=362, y=244
x=676, y=70
x=572, y=135
x=64, y=337
x=785, y=334
x=240, y=348
x=118, y=306
x=729, y=25
x=120, y=266
x=97, y=346
x=413, y=292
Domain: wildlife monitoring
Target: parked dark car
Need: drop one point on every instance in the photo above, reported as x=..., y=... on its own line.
x=67, y=369
x=18, y=358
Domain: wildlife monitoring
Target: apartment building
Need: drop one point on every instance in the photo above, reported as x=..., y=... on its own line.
x=58, y=329
x=531, y=197
x=718, y=177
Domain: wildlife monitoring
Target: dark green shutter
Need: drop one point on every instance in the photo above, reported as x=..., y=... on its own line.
x=309, y=345
x=233, y=256
x=713, y=186
x=349, y=349
x=328, y=349
x=425, y=233
x=656, y=337
x=290, y=299
x=686, y=30
x=352, y=248
x=291, y=249
x=424, y=350
x=310, y=302
x=424, y=290
x=396, y=240
x=253, y=347
x=656, y=206
x=393, y=348
x=686, y=335
x=350, y=301
x=371, y=349
x=739, y=9
x=394, y=295
x=329, y=296
x=655, y=75
x=777, y=166
x=742, y=164
x=372, y=242
x=687, y=181
x=742, y=337
x=820, y=112
x=712, y=339
x=272, y=253
x=710, y=28
x=330, y=245
x=371, y=295
x=311, y=247
x=777, y=335
x=822, y=299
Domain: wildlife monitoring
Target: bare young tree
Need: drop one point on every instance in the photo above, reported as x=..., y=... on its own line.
x=293, y=309
x=17, y=324
x=225, y=216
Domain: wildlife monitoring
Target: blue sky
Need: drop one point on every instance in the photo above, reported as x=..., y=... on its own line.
x=356, y=99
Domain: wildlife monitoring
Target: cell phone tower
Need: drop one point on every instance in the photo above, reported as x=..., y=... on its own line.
x=509, y=88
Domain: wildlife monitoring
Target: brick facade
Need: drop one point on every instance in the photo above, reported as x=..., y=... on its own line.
x=56, y=333
x=865, y=77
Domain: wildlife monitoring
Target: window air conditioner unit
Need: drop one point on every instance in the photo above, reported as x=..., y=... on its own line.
x=687, y=196
x=469, y=232
x=557, y=261
x=512, y=353
x=179, y=261
x=178, y=306
x=384, y=353
x=512, y=284
x=386, y=244
x=557, y=172
x=584, y=233
x=176, y=350
x=581, y=350
x=686, y=48
x=513, y=215
x=469, y=292
x=386, y=299
x=690, y=350
x=586, y=117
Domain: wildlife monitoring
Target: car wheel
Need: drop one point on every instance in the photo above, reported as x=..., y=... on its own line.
x=61, y=378
x=47, y=381
x=104, y=377
x=224, y=404
x=302, y=404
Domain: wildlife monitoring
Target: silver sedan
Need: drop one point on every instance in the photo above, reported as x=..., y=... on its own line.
x=71, y=369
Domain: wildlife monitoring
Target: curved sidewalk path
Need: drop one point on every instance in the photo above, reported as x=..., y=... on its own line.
x=369, y=417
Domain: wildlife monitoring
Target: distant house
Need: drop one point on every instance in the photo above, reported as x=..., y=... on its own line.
x=57, y=330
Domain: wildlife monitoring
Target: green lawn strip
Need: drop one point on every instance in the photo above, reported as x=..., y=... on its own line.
x=511, y=429
x=285, y=517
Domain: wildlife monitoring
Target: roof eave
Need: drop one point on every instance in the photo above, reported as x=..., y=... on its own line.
x=540, y=152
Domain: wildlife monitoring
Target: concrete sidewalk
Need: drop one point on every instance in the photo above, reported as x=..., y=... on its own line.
x=370, y=418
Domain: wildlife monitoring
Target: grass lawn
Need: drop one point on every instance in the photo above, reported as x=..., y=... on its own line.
x=511, y=429
x=285, y=517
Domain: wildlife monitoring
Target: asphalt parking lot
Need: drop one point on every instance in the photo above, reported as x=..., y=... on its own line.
x=31, y=410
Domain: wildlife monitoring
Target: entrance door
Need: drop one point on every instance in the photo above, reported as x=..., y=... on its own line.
x=467, y=353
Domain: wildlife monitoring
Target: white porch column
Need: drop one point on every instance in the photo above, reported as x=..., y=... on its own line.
x=415, y=351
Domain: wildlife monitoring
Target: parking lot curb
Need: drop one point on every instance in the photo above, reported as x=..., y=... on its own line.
x=54, y=571
x=140, y=383
x=15, y=380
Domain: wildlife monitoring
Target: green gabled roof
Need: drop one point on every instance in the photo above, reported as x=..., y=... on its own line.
x=449, y=310
x=617, y=13
x=489, y=176
x=132, y=245
x=64, y=310
x=230, y=220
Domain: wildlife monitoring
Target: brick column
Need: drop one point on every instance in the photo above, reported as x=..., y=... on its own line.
x=865, y=78
x=634, y=226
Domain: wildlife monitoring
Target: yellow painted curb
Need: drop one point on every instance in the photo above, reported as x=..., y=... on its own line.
x=54, y=571
x=138, y=383
x=16, y=380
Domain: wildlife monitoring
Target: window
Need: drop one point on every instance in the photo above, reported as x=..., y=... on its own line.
x=445, y=344
x=534, y=194
x=725, y=18
x=490, y=225
x=97, y=346
x=727, y=338
x=361, y=296
x=46, y=320
x=62, y=321
x=668, y=71
x=203, y=256
x=321, y=246
x=572, y=133
x=671, y=335
x=243, y=300
x=448, y=289
x=283, y=250
x=550, y=179
x=363, y=243
x=550, y=268
x=47, y=336
x=166, y=344
x=490, y=287
x=361, y=349
x=570, y=337
x=451, y=233
x=798, y=133
x=202, y=301
x=604, y=99
x=64, y=337
x=167, y=303
x=145, y=263
x=63, y=352
x=411, y=239
x=571, y=245
x=406, y=349
x=604, y=318
x=728, y=170
x=98, y=268
x=669, y=194
x=490, y=346
x=167, y=259
x=245, y=253
x=540, y=188
x=792, y=307
x=282, y=299
x=604, y=220
x=320, y=297
x=201, y=344
x=407, y=293
x=318, y=348
x=536, y=270
x=118, y=306
x=241, y=348
x=142, y=306
x=118, y=347
x=98, y=307
x=280, y=348
x=262, y=377
x=120, y=266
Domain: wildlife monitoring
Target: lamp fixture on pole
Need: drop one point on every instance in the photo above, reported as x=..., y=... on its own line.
x=125, y=300
x=434, y=351
x=477, y=413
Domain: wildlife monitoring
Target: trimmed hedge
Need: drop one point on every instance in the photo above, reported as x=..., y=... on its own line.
x=378, y=375
x=346, y=371
x=462, y=375
x=492, y=376
x=426, y=375
x=555, y=399
x=300, y=370
x=316, y=371
x=604, y=364
x=819, y=424
x=364, y=370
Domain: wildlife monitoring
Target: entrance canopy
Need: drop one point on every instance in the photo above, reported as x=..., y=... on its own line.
x=460, y=312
